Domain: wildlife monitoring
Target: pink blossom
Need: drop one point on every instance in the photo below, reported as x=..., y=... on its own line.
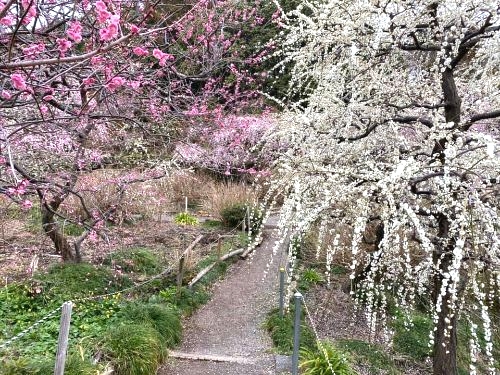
x=134, y=84
x=75, y=31
x=34, y=49
x=44, y=109
x=163, y=57
x=140, y=51
x=114, y=83
x=63, y=45
x=18, y=81
x=48, y=98
x=88, y=81
x=103, y=16
x=7, y=21
x=30, y=14
x=6, y=95
x=109, y=32
x=134, y=29
x=100, y=5
x=96, y=60
x=26, y=204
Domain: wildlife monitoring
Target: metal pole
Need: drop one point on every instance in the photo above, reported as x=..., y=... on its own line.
x=249, y=225
x=282, y=291
x=296, y=334
x=62, y=345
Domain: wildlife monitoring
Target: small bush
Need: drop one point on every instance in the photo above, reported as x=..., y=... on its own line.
x=66, y=282
x=133, y=349
x=412, y=340
x=309, y=278
x=186, y=300
x=233, y=216
x=164, y=319
x=314, y=362
x=185, y=218
x=281, y=331
x=139, y=260
x=370, y=356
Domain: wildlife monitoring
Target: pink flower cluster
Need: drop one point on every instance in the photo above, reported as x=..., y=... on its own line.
x=34, y=49
x=163, y=57
x=110, y=31
x=74, y=31
x=229, y=145
x=63, y=45
x=30, y=6
x=20, y=189
x=18, y=81
x=115, y=83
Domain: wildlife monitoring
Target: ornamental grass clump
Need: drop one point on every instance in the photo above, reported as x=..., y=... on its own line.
x=133, y=349
x=328, y=360
x=163, y=318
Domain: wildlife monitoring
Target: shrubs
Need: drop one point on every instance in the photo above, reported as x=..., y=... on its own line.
x=68, y=281
x=281, y=331
x=314, y=362
x=232, y=216
x=185, y=218
x=164, y=319
x=137, y=259
x=133, y=349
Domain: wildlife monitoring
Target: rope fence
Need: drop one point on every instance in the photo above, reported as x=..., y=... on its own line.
x=7, y=343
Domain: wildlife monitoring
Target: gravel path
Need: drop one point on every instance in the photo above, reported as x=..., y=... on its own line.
x=230, y=324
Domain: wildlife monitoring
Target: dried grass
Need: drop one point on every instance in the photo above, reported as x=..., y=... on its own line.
x=220, y=196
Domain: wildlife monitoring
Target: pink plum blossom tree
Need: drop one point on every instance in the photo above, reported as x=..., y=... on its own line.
x=79, y=80
x=398, y=131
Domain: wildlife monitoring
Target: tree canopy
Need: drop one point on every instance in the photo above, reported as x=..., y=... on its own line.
x=397, y=132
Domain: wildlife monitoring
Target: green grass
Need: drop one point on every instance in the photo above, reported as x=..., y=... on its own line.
x=412, y=340
x=308, y=278
x=65, y=282
x=370, y=356
x=133, y=349
x=137, y=260
x=186, y=300
x=34, y=224
x=315, y=362
x=212, y=224
x=281, y=332
x=163, y=318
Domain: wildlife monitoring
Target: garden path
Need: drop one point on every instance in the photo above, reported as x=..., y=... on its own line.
x=230, y=325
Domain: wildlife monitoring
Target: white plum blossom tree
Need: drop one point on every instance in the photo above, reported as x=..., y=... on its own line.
x=397, y=130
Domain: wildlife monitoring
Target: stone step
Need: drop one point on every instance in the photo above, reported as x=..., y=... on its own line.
x=210, y=357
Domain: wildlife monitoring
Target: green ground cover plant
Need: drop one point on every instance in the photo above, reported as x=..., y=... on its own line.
x=185, y=218
x=327, y=360
x=137, y=259
x=281, y=332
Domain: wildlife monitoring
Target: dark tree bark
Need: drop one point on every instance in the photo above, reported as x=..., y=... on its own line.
x=445, y=347
x=53, y=231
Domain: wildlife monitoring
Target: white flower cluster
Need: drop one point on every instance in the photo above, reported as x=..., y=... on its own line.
x=392, y=129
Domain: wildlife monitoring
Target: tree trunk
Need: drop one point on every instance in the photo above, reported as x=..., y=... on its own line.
x=52, y=230
x=445, y=346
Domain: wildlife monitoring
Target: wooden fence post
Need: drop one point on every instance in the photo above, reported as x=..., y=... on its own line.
x=219, y=248
x=62, y=345
x=180, y=273
x=182, y=261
